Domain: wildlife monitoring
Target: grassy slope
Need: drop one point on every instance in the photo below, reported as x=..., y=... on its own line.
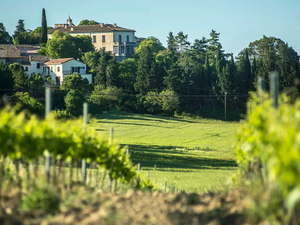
x=190, y=154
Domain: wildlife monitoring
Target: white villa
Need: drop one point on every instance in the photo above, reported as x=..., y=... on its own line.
x=35, y=64
x=58, y=69
x=118, y=40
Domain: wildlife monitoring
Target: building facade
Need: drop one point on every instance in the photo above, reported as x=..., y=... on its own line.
x=58, y=69
x=109, y=37
x=25, y=55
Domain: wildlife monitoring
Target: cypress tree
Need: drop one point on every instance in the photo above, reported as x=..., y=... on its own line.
x=247, y=73
x=100, y=78
x=44, y=27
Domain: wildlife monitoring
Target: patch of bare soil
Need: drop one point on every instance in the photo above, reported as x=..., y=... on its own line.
x=140, y=208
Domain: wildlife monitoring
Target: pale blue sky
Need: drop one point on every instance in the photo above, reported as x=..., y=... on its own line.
x=239, y=21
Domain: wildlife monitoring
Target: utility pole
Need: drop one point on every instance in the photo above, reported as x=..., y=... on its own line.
x=225, y=93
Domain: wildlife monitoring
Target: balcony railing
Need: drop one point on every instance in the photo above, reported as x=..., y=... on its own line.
x=124, y=43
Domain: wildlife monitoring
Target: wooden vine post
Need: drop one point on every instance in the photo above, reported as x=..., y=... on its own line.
x=274, y=88
x=85, y=120
x=111, y=169
x=47, y=112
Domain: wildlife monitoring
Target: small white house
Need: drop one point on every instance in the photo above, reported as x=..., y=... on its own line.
x=35, y=64
x=58, y=69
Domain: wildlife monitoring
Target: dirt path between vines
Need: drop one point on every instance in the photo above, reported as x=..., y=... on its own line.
x=143, y=208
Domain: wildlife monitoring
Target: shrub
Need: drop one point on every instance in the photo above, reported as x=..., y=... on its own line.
x=106, y=98
x=45, y=198
x=169, y=101
x=74, y=102
x=59, y=99
x=62, y=114
x=95, y=109
x=24, y=101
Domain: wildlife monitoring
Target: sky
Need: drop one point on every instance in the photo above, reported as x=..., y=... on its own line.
x=239, y=22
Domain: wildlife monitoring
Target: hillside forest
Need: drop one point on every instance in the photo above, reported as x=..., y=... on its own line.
x=183, y=78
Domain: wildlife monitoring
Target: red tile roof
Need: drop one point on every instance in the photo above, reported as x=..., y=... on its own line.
x=58, y=61
x=90, y=28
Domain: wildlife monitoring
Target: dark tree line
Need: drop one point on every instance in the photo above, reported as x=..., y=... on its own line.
x=198, y=73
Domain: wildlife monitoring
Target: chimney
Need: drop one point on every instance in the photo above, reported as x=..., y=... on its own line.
x=115, y=25
x=102, y=24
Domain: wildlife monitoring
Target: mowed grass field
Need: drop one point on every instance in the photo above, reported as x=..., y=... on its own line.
x=194, y=155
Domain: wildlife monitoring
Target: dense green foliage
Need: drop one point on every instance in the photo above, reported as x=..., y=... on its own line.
x=6, y=77
x=270, y=137
x=24, y=101
x=74, y=101
x=87, y=22
x=76, y=82
x=5, y=38
x=200, y=73
x=36, y=83
x=30, y=138
x=63, y=45
x=20, y=77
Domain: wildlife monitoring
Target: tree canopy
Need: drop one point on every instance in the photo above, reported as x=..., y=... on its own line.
x=5, y=38
x=63, y=45
x=87, y=22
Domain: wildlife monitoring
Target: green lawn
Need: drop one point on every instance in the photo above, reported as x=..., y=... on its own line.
x=191, y=154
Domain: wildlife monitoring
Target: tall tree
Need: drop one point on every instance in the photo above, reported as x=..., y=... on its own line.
x=112, y=73
x=5, y=38
x=6, y=78
x=208, y=75
x=20, y=77
x=127, y=78
x=44, y=27
x=181, y=41
x=273, y=54
x=100, y=78
x=175, y=78
x=146, y=79
x=214, y=46
x=171, y=42
x=20, y=34
x=199, y=49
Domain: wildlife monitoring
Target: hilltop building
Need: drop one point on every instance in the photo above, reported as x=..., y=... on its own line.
x=110, y=37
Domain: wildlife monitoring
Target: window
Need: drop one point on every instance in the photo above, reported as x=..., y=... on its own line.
x=120, y=38
x=26, y=68
x=38, y=65
x=122, y=50
x=103, y=38
x=116, y=50
x=58, y=69
x=127, y=38
x=94, y=38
